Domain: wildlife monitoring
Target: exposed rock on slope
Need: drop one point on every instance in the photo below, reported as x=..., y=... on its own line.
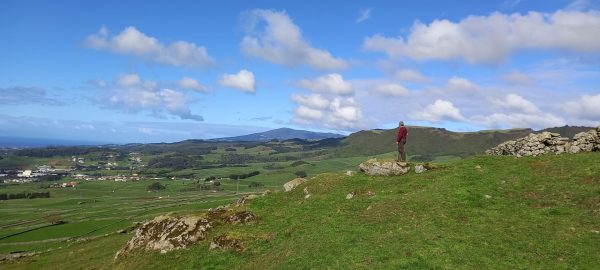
x=291, y=185
x=546, y=142
x=383, y=167
x=167, y=233
x=586, y=141
x=532, y=145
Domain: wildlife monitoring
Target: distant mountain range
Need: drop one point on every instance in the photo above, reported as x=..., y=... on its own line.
x=280, y=134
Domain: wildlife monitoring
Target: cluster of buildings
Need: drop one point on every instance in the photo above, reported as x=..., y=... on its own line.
x=28, y=176
x=117, y=178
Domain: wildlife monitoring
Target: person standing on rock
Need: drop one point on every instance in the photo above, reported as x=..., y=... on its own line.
x=401, y=141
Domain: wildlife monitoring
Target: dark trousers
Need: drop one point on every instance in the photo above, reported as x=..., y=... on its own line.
x=401, y=152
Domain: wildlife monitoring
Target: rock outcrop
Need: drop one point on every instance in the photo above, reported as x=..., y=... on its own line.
x=166, y=233
x=383, y=167
x=532, y=145
x=546, y=142
x=586, y=141
x=291, y=185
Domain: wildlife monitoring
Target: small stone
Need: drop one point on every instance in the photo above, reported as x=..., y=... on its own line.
x=487, y=196
x=350, y=173
x=477, y=167
x=350, y=195
x=306, y=193
x=420, y=168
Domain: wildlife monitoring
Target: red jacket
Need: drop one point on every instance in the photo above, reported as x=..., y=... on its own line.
x=402, y=132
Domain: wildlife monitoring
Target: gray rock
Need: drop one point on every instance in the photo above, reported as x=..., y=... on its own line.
x=420, y=168
x=291, y=185
x=383, y=167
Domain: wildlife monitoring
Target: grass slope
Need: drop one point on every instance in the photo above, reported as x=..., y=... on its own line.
x=478, y=213
x=432, y=142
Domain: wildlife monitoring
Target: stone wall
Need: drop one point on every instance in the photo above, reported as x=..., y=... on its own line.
x=546, y=142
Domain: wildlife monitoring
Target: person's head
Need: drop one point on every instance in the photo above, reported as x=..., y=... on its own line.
x=401, y=123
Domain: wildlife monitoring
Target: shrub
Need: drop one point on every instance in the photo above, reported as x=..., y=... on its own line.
x=255, y=185
x=155, y=186
x=301, y=174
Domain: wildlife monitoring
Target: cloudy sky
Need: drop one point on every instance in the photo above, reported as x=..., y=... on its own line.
x=142, y=71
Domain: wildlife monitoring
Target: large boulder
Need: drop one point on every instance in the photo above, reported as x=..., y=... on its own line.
x=586, y=141
x=291, y=185
x=166, y=233
x=383, y=167
x=532, y=145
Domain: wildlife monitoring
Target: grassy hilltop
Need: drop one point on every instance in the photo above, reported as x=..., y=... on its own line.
x=481, y=212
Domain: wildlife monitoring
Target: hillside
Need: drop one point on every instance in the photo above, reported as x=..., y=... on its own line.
x=281, y=134
x=478, y=213
x=427, y=143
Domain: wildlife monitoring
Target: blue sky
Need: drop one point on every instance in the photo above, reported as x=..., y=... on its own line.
x=141, y=71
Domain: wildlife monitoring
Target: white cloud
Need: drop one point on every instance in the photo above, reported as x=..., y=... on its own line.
x=516, y=77
x=391, y=89
x=458, y=83
x=364, y=15
x=127, y=80
x=132, y=94
x=491, y=39
x=410, y=75
x=281, y=42
x=587, y=107
x=190, y=83
x=133, y=42
x=336, y=113
x=312, y=101
x=307, y=113
x=331, y=83
x=344, y=112
x=519, y=120
x=243, y=80
x=440, y=111
x=517, y=103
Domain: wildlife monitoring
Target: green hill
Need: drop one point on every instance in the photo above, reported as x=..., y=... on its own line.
x=483, y=212
x=426, y=142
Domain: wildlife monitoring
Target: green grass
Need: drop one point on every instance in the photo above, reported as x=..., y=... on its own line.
x=483, y=212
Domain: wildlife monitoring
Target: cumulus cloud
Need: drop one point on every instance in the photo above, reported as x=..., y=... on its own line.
x=135, y=43
x=20, y=95
x=491, y=39
x=517, y=103
x=331, y=83
x=243, y=80
x=410, y=75
x=132, y=94
x=313, y=101
x=364, y=15
x=306, y=113
x=281, y=42
x=458, y=83
x=391, y=89
x=586, y=107
x=332, y=113
x=516, y=120
x=516, y=77
x=440, y=111
x=192, y=84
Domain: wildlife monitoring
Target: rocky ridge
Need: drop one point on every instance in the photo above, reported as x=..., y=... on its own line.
x=547, y=142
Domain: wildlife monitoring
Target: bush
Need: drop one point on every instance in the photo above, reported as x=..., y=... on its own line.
x=255, y=185
x=301, y=174
x=155, y=186
x=243, y=176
